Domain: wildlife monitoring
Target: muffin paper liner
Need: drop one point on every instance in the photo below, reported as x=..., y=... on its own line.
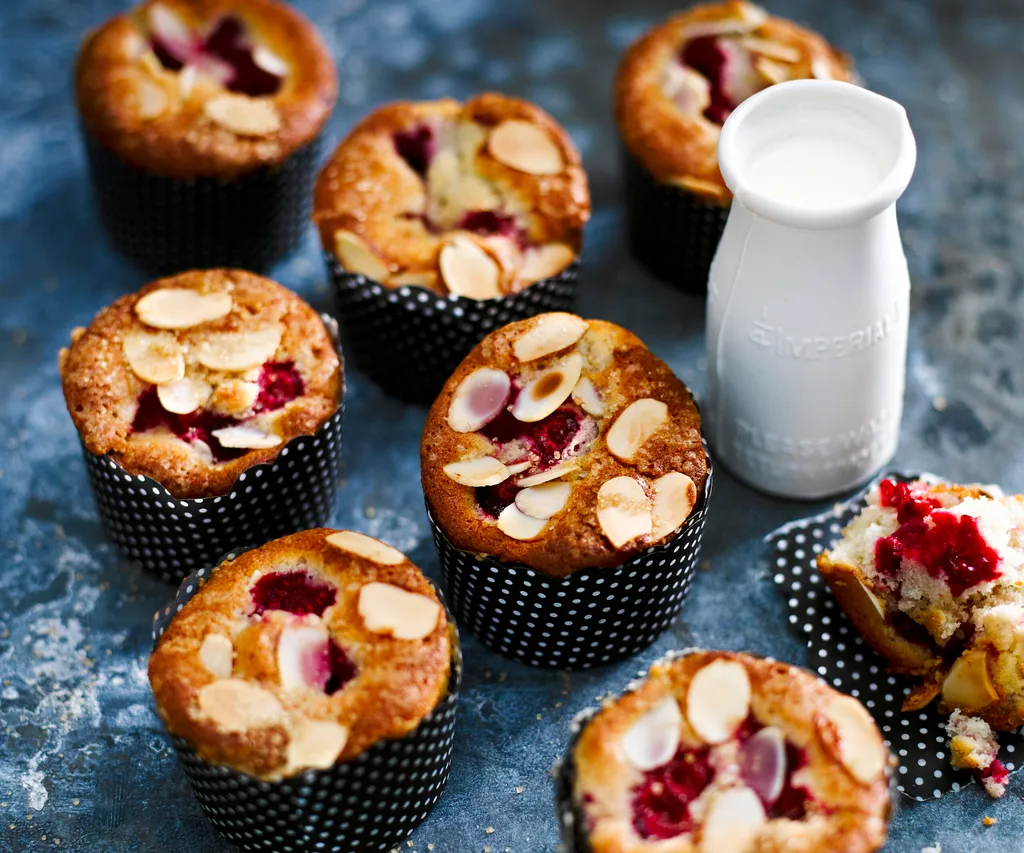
x=167, y=224
x=370, y=803
x=409, y=340
x=672, y=232
x=172, y=536
x=843, y=659
x=592, y=617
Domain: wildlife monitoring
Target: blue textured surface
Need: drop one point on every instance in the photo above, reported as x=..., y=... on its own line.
x=84, y=764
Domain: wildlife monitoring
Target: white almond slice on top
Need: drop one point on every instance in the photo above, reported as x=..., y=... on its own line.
x=821, y=69
x=269, y=61
x=771, y=71
x=654, y=738
x=623, y=510
x=518, y=525
x=674, y=496
x=244, y=116
x=479, y=399
x=518, y=467
x=183, y=396
x=635, y=424
x=316, y=744
x=547, y=334
x=721, y=27
x=545, y=261
x=388, y=609
x=483, y=471
x=525, y=146
x=151, y=100
x=732, y=821
x=234, y=352
x=468, y=270
x=236, y=705
x=246, y=438
x=366, y=546
x=303, y=657
x=548, y=390
x=234, y=396
x=155, y=358
x=187, y=78
x=358, y=258
x=586, y=397
x=411, y=278
x=217, y=654
x=968, y=686
x=543, y=501
x=718, y=700
x=168, y=26
x=771, y=49
x=860, y=746
x=555, y=473
x=180, y=308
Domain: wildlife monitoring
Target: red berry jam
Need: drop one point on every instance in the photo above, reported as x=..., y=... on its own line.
x=280, y=383
x=997, y=772
x=949, y=547
x=707, y=55
x=417, y=147
x=342, y=669
x=909, y=503
x=661, y=802
x=294, y=592
x=493, y=499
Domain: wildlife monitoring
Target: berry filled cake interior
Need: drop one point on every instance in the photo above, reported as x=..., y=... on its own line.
x=197, y=377
x=717, y=752
x=478, y=199
x=562, y=443
x=302, y=653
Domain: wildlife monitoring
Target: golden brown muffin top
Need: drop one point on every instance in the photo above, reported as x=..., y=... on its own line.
x=304, y=652
x=678, y=83
x=718, y=751
x=478, y=199
x=564, y=444
x=205, y=88
x=197, y=377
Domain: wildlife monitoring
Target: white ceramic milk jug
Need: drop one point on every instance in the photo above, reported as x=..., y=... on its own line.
x=808, y=295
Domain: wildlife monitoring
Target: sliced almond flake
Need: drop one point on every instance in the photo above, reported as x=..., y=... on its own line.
x=155, y=358
x=187, y=81
x=234, y=352
x=860, y=745
x=411, y=278
x=148, y=60
x=555, y=473
x=388, y=609
x=518, y=525
x=356, y=257
x=968, y=686
x=151, y=100
x=545, y=261
x=773, y=72
x=654, y=738
x=634, y=426
x=543, y=501
x=732, y=821
x=518, y=467
x=302, y=657
x=269, y=61
x=771, y=49
x=586, y=397
x=699, y=186
x=525, y=146
x=821, y=69
x=315, y=744
x=876, y=603
x=217, y=654
x=468, y=270
x=718, y=700
x=623, y=511
x=674, y=496
x=234, y=396
x=181, y=308
x=484, y=471
x=548, y=390
x=183, y=396
x=235, y=705
x=168, y=26
x=246, y=438
x=243, y=115
x=549, y=333
x=201, y=449
x=687, y=88
x=720, y=27
x=366, y=546
x=479, y=399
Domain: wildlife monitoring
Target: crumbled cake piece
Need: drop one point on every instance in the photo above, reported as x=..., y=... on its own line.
x=973, y=746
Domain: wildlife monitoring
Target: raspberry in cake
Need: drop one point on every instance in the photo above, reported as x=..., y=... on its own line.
x=196, y=378
x=478, y=199
x=303, y=653
x=564, y=444
x=718, y=751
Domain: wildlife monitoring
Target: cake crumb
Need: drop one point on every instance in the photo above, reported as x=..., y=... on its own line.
x=989, y=821
x=489, y=830
x=973, y=746
x=520, y=789
x=936, y=849
x=430, y=846
x=939, y=404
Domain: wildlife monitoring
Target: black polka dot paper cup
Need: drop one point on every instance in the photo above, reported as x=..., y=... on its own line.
x=166, y=225
x=672, y=232
x=365, y=805
x=590, y=618
x=172, y=537
x=409, y=340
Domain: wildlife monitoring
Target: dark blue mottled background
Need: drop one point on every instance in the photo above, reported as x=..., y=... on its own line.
x=84, y=764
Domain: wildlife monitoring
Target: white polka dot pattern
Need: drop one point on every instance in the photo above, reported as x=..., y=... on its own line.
x=409, y=340
x=590, y=618
x=368, y=804
x=842, y=659
x=171, y=536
